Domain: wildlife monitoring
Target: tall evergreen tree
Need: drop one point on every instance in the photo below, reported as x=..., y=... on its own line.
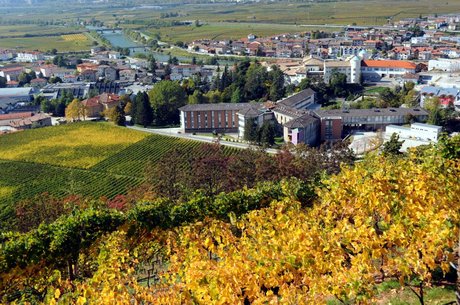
x=144, y=112
x=277, y=83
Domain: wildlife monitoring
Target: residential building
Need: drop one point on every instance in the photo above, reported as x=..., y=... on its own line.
x=447, y=96
x=29, y=56
x=11, y=73
x=5, y=55
x=96, y=106
x=24, y=120
x=128, y=75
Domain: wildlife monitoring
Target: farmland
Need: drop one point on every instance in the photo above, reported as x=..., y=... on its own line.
x=220, y=20
x=45, y=43
x=89, y=159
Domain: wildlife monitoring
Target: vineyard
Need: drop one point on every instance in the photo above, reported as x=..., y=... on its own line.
x=89, y=159
x=75, y=37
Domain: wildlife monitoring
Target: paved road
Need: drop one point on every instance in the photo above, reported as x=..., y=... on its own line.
x=173, y=132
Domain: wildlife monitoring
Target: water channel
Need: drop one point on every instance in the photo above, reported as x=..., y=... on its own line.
x=118, y=39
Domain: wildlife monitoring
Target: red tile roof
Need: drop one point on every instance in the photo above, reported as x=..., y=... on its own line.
x=14, y=116
x=389, y=64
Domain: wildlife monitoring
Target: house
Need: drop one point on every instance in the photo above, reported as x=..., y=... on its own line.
x=35, y=121
x=114, y=55
x=410, y=77
x=86, y=66
x=127, y=75
x=11, y=73
x=108, y=73
x=5, y=55
x=447, y=96
x=96, y=106
x=88, y=76
x=29, y=56
x=24, y=120
x=38, y=82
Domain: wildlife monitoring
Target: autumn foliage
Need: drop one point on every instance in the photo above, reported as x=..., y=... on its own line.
x=379, y=219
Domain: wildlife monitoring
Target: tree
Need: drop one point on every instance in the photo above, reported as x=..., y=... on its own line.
x=338, y=83
x=2, y=82
x=128, y=108
x=237, y=96
x=24, y=78
x=276, y=77
x=255, y=87
x=46, y=106
x=152, y=64
x=75, y=111
x=144, y=112
x=389, y=98
x=196, y=98
x=267, y=134
x=251, y=130
x=166, y=98
x=55, y=79
x=59, y=61
x=117, y=115
x=393, y=146
x=209, y=171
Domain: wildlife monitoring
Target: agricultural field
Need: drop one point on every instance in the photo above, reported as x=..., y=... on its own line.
x=34, y=29
x=45, y=43
x=222, y=30
x=89, y=159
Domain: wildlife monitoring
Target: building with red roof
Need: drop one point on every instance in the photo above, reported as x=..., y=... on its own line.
x=374, y=70
x=95, y=106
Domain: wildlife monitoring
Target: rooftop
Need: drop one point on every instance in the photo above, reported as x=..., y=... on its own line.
x=301, y=122
x=217, y=107
x=389, y=64
x=370, y=112
x=294, y=99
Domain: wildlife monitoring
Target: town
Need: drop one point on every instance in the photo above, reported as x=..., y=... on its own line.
x=366, y=63
x=229, y=152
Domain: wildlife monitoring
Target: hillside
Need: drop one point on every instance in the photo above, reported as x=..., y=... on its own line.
x=88, y=159
x=369, y=234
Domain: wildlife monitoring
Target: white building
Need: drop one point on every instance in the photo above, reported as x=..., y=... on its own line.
x=351, y=68
x=374, y=70
x=29, y=57
x=5, y=55
x=444, y=64
x=417, y=131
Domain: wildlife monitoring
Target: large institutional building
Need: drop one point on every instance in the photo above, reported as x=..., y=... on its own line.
x=358, y=68
x=297, y=117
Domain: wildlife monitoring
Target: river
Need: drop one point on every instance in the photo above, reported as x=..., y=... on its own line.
x=118, y=39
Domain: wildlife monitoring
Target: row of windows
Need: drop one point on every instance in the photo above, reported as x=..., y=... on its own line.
x=374, y=119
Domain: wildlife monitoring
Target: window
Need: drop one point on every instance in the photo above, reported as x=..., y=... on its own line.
x=328, y=131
